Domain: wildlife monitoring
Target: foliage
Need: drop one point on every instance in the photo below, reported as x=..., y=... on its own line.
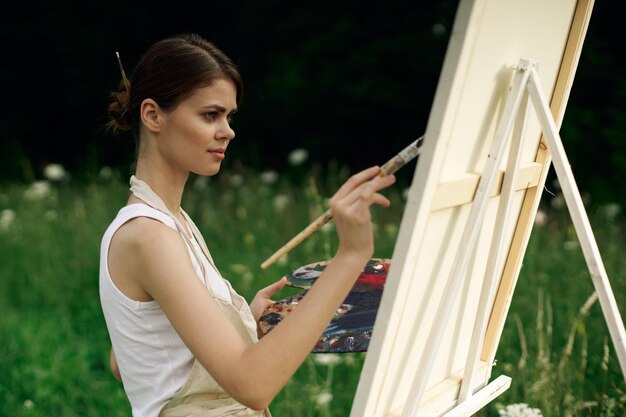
x=54, y=346
x=346, y=80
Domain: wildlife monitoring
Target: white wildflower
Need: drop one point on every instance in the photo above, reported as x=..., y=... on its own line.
x=244, y=272
x=239, y=268
x=323, y=398
x=439, y=29
x=282, y=261
x=520, y=410
x=54, y=172
x=570, y=245
x=37, y=190
x=349, y=360
x=241, y=213
x=541, y=218
x=50, y=215
x=228, y=197
x=28, y=404
x=558, y=201
x=280, y=202
x=105, y=173
x=236, y=180
x=612, y=210
x=6, y=218
x=507, y=367
x=391, y=230
x=201, y=182
x=249, y=239
x=297, y=157
x=328, y=228
x=269, y=177
x=327, y=359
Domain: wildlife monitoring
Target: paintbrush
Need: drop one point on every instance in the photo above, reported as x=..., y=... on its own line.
x=390, y=167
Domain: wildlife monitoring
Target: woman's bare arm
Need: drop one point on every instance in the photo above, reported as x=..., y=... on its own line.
x=114, y=368
x=151, y=253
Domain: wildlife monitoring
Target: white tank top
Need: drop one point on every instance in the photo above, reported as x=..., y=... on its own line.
x=153, y=360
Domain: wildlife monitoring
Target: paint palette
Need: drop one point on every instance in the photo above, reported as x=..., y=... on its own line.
x=350, y=329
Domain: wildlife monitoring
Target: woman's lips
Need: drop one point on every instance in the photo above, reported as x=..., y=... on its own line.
x=218, y=154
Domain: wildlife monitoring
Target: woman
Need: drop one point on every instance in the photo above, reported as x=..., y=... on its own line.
x=163, y=299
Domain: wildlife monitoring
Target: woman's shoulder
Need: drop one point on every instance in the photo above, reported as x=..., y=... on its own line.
x=140, y=210
x=145, y=230
x=141, y=226
x=140, y=247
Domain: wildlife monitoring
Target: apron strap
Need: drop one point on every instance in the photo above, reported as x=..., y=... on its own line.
x=198, y=236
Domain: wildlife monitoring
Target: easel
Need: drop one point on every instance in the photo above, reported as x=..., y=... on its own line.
x=526, y=83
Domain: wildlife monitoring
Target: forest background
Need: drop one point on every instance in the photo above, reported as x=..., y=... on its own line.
x=347, y=81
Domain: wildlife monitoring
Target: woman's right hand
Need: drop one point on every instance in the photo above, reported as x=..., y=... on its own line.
x=351, y=211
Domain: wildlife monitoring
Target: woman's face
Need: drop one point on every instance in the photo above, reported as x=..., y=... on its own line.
x=196, y=134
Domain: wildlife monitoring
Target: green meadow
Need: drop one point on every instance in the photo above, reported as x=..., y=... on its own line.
x=54, y=345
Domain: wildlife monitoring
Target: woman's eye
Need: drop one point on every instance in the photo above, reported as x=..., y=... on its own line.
x=213, y=116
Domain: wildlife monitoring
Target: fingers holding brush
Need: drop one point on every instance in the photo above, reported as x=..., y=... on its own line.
x=351, y=210
x=362, y=187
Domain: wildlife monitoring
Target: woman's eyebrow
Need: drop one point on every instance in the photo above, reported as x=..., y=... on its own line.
x=219, y=108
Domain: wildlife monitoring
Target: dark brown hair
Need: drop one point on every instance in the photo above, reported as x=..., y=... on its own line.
x=168, y=72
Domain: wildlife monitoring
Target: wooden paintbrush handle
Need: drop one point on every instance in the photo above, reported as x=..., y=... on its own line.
x=295, y=241
x=390, y=167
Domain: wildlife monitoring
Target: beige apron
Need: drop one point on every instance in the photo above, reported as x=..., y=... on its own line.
x=201, y=395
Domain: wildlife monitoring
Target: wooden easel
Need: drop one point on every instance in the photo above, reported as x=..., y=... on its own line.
x=526, y=84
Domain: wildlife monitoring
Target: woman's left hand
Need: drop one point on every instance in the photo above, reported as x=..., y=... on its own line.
x=262, y=300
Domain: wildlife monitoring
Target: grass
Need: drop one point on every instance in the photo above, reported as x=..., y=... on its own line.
x=53, y=340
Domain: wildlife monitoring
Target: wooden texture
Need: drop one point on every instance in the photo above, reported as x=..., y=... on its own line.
x=488, y=39
x=522, y=231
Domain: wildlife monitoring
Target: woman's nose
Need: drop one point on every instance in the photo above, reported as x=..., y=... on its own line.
x=226, y=132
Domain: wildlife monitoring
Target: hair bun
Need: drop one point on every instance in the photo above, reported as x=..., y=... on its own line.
x=119, y=108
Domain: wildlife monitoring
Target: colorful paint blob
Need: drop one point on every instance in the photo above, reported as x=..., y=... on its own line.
x=350, y=329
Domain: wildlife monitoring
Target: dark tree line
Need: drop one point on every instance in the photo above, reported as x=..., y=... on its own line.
x=349, y=81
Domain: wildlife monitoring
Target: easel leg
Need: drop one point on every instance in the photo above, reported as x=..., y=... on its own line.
x=579, y=218
x=494, y=261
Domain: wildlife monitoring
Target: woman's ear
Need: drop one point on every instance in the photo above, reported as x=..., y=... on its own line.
x=151, y=115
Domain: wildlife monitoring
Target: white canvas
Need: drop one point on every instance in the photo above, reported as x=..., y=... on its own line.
x=488, y=39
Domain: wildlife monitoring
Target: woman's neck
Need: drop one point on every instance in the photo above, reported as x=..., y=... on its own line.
x=167, y=183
